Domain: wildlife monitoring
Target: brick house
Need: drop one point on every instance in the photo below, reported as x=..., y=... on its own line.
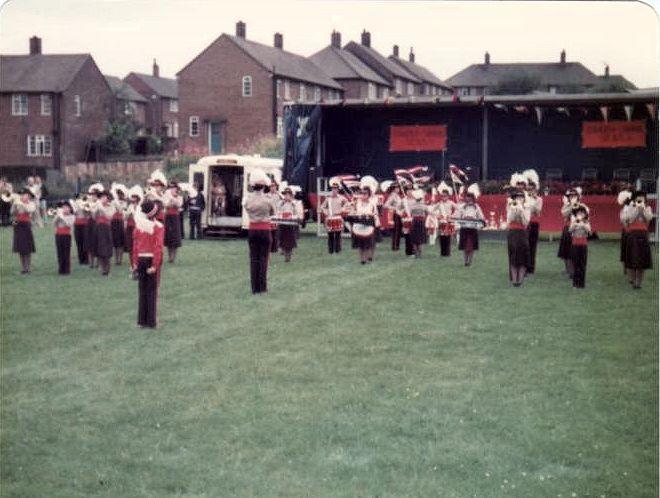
x=358, y=80
x=232, y=93
x=403, y=82
x=51, y=108
x=127, y=102
x=431, y=84
x=162, y=107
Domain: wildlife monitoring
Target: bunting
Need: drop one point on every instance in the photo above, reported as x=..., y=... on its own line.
x=539, y=114
x=651, y=109
x=629, y=111
x=604, y=110
x=563, y=110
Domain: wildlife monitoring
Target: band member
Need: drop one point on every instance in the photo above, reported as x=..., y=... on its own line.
x=333, y=208
x=63, y=222
x=35, y=188
x=406, y=217
x=365, y=219
x=157, y=183
x=90, y=230
x=117, y=223
x=172, y=202
x=580, y=229
x=218, y=197
x=535, y=204
x=259, y=207
x=444, y=210
x=102, y=218
x=517, y=218
x=274, y=196
x=623, y=199
x=146, y=259
x=135, y=195
x=79, y=227
x=418, y=212
x=196, y=205
x=638, y=251
x=570, y=201
x=471, y=211
x=289, y=211
x=23, y=209
x=394, y=205
x=6, y=191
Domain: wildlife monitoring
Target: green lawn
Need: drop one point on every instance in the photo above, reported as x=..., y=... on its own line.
x=400, y=378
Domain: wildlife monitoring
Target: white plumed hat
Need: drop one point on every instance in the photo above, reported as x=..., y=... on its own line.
x=136, y=191
x=444, y=187
x=98, y=187
x=517, y=178
x=474, y=190
x=258, y=177
x=531, y=176
x=624, y=195
x=369, y=182
x=157, y=177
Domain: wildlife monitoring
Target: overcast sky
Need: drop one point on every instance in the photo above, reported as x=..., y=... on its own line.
x=125, y=35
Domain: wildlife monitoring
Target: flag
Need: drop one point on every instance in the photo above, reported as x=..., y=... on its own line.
x=563, y=110
x=539, y=114
x=651, y=109
x=629, y=111
x=603, y=111
x=458, y=176
x=521, y=108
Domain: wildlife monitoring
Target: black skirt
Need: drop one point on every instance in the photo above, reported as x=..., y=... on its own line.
x=518, y=247
x=638, y=250
x=287, y=237
x=365, y=243
x=172, y=230
x=90, y=237
x=23, y=238
x=468, y=239
x=103, y=240
x=624, y=241
x=117, y=228
x=418, y=232
x=564, y=251
x=128, y=238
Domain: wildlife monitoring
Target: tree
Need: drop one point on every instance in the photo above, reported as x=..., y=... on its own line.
x=118, y=138
x=517, y=83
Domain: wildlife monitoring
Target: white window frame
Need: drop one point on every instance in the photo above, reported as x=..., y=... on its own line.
x=465, y=91
x=39, y=146
x=410, y=88
x=246, y=86
x=169, y=132
x=193, y=120
x=302, y=92
x=77, y=105
x=287, y=90
x=278, y=88
x=280, y=127
x=174, y=105
x=46, y=104
x=129, y=108
x=372, y=92
x=398, y=87
x=175, y=129
x=317, y=94
x=19, y=104
x=552, y=89
x=386, y=92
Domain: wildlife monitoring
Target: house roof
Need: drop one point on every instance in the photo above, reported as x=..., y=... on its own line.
x=123, y=90
x=341, y=64
x=365, y=54
x=283, y=63
x=39, y=73
x=619, y=80
x=419, y=71
x=549, y=73
x=164, y=87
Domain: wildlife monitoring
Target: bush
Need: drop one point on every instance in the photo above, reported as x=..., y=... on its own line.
x=265, y=147
x=176, y=168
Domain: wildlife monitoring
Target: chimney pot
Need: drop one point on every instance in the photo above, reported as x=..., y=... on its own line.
x=35, y=45
x=411, y=56
x=562, y=57
x=335, y=39
x=156, y=71
x=486, y=58
x=607, y=71
x=240, y=29
x=395, y=51
x=278, y=41
x=366, y=38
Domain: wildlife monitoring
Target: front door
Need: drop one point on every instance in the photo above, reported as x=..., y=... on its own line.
x=215, y=139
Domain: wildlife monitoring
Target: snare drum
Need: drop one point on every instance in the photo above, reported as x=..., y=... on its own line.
x=478, y=224
x=363, y=231
x=334, y=224
x=406, y=225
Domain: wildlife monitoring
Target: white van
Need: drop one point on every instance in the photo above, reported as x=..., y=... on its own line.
x=224, y=182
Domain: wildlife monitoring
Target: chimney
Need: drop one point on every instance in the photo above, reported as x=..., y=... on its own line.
x=278, y=41
x=335, y=39
x=155, y=71
x=366, y=38
x=411, y=56
x=240, y=29
x=487, y=58
x=35, y=45
x=395, y=51
x=607, y=71
x=562, y=57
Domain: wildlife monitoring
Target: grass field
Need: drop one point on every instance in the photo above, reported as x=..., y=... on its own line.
x=400, y=378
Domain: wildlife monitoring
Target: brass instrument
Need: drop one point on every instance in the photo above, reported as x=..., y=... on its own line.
x=51, y=212
x=10, y=197
x=640, y=202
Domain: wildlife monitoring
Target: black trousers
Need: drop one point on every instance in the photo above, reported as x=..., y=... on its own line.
x=63, y=246
x=334, y=242
x=195, y=225
x=533, y=233
x=147, y=293
x=259, y=242
x=79, y=235
x=579, y=259
x=274, y=242
x=445, y=245
x=409, y=246
x=181, y=216
x=5, y=213
x=396, y=232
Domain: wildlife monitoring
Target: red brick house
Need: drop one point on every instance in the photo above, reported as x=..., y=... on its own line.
x=431, y=84
x=402, y=82
x=233, y=92
x=358, y=80
x=51, y=108
x=127, y=102
x=162, y=108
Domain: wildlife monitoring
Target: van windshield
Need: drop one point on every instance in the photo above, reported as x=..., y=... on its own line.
x=226, y=191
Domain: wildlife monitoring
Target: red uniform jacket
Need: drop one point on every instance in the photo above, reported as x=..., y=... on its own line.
x=144, y=242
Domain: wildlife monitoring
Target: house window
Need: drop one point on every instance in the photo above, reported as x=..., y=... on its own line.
x=317, y=94
x=278, y=88
x=302, y=92
x=77, y=105
x=19, y=104
x=552, y=89
x=168, y=130
x=280, y=127
x=247, y=86
x=39, y=145
x=46, y=104
x=371, y=90
x=287, y=90
x=411, y=89
x=174, y=105
x=465, y=91
x=128, y=108
x=386, y=92
x=194, y=126
x=398, y=87
x=175, y=129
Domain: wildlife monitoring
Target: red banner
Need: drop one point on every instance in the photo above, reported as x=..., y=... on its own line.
x=418, y=138
x=612, y=134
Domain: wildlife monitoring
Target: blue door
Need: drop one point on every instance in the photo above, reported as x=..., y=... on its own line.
x=215, y=139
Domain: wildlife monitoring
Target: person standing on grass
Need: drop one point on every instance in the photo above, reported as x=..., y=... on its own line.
x=172, y=203
x=535, y=204
x=63, y=222
x=146, y=259
x=196, y=206
x=135, y=195
x=623, y=199
x=90, y=231
x=580, y=229
x=79, y=226
x=393, y=203
x=274, y=196
x=365, y=220
x=103, y=214
x=260, y=207
x=638, y=215
x=570, y=201
x=444, y=210
x=287, y=209
x=517, y=218
x=418, y=212
x=117, y=223
x=469, y=236
x=333, y=209
x=23, y=210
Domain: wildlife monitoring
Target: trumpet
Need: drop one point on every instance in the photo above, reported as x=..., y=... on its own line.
x=640, y=203
x=51, y=212
x=9, y=197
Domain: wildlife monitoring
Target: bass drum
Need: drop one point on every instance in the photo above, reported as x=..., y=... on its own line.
x=364, y=231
